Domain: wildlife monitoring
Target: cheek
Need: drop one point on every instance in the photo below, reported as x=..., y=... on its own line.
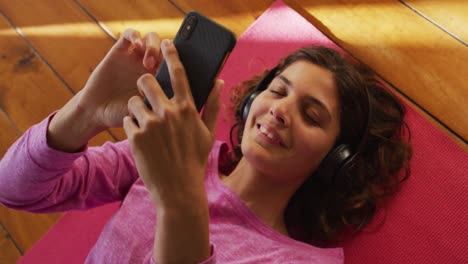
x=258, y=108
x=311, y=148
x=259, y=105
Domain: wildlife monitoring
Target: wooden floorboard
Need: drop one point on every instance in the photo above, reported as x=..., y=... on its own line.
x=9, y=133
x=450, y=15
x=26, y=228
x=29, y=91
x=65, y=36
x=145, y=16
x=423, y=62
x=8, y=251
x=235, y=15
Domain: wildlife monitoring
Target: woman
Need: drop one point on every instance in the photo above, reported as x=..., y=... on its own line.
x=271, y=202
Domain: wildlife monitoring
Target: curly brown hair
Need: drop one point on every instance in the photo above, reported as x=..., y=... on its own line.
x=325, y=215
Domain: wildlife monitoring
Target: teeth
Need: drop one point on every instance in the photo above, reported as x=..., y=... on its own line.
x=264, y=131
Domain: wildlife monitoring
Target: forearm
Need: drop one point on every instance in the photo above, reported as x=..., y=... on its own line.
x=37, y=178
x=72, y=127
x=29, y=168
x=182, y=232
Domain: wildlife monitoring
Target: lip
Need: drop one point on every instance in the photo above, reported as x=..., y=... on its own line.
x=279, y=141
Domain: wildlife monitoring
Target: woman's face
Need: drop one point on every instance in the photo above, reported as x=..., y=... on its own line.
x=293, y=124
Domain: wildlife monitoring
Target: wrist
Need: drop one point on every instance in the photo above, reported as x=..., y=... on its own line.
x=72, y=127
x=181, y=199
x=182, y=233
x=186, y=210
x=179, y=192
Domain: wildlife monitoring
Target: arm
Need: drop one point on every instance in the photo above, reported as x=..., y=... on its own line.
x=182, y=233
x=72, y=127
x=38, y=178
x=175, y=135
x=51, y=168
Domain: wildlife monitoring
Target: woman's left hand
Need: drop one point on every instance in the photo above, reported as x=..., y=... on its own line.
x=172, y=142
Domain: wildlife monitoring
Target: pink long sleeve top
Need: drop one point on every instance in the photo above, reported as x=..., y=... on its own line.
x=36, y=178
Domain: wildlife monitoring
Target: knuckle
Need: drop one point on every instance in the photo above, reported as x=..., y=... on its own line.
x=153, y=121
x=185, y=107
x=177, y=68
x=172, y=52
x=136, y=137
x=166, y=115
x=132, y=101
x=143, y=80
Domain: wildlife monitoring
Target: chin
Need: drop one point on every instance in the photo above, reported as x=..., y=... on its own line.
x=261, y=158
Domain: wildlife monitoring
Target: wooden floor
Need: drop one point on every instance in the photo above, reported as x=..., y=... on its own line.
x=48, y=49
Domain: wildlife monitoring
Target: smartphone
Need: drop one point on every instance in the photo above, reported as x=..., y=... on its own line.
x=203, y=46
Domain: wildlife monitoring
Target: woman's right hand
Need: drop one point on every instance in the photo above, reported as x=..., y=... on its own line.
x=114, y=81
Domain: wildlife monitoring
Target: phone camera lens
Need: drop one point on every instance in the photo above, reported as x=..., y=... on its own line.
x=191, y=20
x=188, y=27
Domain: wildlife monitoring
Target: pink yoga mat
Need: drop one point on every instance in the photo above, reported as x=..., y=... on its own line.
x=426, y=223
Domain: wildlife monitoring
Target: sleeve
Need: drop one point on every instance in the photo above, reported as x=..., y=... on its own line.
x=40, y=179
x=210, y=260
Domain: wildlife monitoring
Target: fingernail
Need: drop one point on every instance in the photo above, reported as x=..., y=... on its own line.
x=138, y=43
x=150, y=62
x=220, y=85
x=166, y=43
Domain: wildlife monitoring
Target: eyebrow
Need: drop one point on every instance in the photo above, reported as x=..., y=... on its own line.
x=308, y=97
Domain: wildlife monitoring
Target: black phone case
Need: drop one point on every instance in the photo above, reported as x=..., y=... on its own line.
x=202, y=55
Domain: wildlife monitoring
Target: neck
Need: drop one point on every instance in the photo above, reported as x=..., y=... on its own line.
x=266, y=197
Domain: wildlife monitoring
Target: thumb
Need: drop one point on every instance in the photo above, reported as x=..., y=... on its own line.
x=211, y=111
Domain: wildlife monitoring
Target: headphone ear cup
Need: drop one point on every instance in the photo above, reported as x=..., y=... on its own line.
x=247, y=103
x=262, y=85
x=332, y=166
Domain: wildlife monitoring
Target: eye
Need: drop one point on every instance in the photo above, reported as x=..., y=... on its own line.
x=311, y=118
x=277, y=91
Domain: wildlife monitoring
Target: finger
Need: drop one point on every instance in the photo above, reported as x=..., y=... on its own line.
x=132, y=37
x=179, y=82
x=211, y=111
x=153, y=51
x=137, y=108
x=129, y=126
x=148, y=85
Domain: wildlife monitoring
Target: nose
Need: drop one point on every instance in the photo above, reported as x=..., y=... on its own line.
x=280, y=113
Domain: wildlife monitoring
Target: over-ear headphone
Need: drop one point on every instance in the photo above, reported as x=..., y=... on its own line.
x=262, y=85
x=333, y=168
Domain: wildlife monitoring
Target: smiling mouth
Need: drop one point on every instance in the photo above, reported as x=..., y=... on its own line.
x=268, y=136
